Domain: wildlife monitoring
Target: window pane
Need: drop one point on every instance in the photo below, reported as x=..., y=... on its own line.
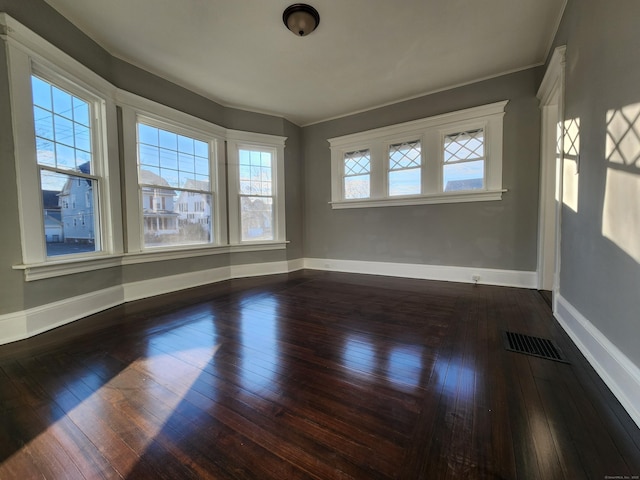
x=255, y=173
x=168, y=140
x=464, y=146
x=82, y=138
x=62, y=128
x=169, y=159
x=202, y=165
x=201, y=149
x=405, y=155
x=46, y=152
x=70, y=219
x=176, y=198
x=357, y=186
x=149, y=156
x=62, y=103
x=80, y=111
x=186, y=163
x=404, y=182
x=256, y=218
x=147, y=134
x=179, y=168
x=43, y=123
x=41, y=93
x=357, y=163
x=463, y=176
x=185, y=144
x=172, y=217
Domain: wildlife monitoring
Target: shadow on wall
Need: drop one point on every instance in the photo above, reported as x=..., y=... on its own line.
x=621, y=209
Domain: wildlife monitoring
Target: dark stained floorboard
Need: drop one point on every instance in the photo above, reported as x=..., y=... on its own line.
x=310, y=375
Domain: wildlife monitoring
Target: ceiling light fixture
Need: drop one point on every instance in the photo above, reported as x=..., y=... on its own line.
x=301, y=19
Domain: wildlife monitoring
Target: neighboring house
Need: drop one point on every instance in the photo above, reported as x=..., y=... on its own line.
x=76, y=207
x=256, y=220
x=194, y=207
x=53, y=229
x=53, y=226
x=160, y=217
x=460, y=185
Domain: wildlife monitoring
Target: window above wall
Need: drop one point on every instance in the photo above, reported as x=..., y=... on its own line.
x=449, y=158
x=78, y=172
x=64, y=128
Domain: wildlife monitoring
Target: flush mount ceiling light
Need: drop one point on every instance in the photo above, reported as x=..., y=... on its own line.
x=301, y=19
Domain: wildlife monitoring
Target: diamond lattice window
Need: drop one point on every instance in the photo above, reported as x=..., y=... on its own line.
x=405, y=163
x=464, y=146
x=464, y=161
x=357, y=179
x=404, y=155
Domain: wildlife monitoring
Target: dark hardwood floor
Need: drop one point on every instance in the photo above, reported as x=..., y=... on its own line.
x=310, y=375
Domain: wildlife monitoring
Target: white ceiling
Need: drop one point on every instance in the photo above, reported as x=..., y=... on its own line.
x=365, y=53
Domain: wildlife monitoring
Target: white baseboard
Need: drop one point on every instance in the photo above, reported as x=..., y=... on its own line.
x=27, y=323
x=24, y=324
x=619, y=373
x=258, y=269
x=173, y=283
x=488, y=276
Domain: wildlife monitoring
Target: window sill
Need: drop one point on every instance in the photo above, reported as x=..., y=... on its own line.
x=69, y=266
x=453, y=197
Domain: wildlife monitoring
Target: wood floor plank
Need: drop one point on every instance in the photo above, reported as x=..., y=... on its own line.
x=310, y=375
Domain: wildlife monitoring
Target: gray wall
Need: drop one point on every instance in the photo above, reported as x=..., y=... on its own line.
x=500, y=234
x=15, y=293
x=598, y=276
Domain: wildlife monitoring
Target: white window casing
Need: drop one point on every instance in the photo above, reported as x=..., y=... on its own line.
x=121, y=240
x=27, y=55
x=237, y=141
x=135, y=110
x=431, y=133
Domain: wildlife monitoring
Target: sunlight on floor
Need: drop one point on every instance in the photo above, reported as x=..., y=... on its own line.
x=179, y=369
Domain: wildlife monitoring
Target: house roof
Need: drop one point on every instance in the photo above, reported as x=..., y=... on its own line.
x=364, y=53
x=153, y=179
x=50, y=199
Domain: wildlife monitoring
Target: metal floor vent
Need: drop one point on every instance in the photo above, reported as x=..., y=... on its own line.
x=538, y=347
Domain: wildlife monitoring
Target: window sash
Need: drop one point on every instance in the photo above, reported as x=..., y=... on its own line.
x=172, y=225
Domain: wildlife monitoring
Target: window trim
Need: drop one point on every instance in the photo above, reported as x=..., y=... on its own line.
x=25, y=48
x=237, y=139
x=137, y=109
x=27, y=54
x=431, y=132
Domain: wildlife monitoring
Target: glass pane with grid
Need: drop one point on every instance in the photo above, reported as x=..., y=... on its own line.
x=174, y=174
x=178, y=160
x=405, y=155
x=256, y=174
x=63, y=138
x=464, y=146
x=62, y=128
x=357, y=180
